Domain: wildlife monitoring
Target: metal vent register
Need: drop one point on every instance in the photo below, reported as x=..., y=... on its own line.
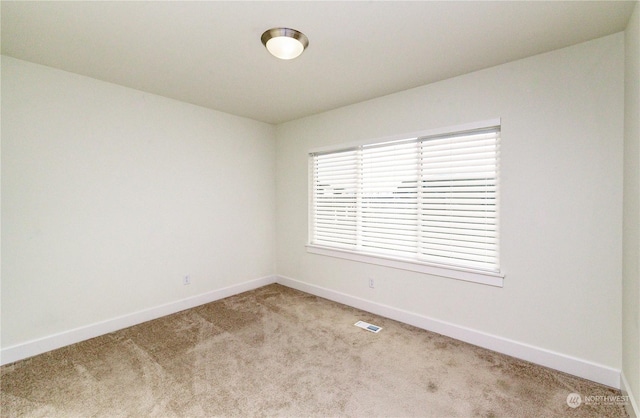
x=368, y=326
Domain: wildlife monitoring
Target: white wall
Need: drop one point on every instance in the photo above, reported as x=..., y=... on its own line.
x=631, y=220
x=110, y=196
x=561, y=200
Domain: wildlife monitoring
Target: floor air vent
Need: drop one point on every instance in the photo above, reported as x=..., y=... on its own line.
x=368, y=326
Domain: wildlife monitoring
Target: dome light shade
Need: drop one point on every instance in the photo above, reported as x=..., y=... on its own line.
x=284, y=43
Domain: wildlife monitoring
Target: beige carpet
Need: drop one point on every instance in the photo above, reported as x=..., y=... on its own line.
x=275, y=351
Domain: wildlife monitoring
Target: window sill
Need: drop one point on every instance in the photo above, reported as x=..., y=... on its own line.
x=475, y=276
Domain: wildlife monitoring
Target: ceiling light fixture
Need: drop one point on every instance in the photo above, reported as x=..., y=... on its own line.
x=284, y=43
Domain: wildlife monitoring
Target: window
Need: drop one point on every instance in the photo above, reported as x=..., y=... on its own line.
x=428, y=200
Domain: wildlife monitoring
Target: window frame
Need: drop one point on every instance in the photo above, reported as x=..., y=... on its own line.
x=486, y=277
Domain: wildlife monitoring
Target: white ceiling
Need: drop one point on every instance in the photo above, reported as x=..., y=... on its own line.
x=209, y=53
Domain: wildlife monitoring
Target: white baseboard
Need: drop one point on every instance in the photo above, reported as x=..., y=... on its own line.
x=52, y=342
x=632, y=407
x=575, y=366
x=568, y=364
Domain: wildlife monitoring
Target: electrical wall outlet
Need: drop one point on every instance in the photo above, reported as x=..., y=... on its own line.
x=186, y=280
x=372, y=284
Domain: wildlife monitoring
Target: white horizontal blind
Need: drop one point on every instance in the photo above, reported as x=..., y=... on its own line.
x=389, y=207
x=459, y=211
x=334, y=199
x=431, y=199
